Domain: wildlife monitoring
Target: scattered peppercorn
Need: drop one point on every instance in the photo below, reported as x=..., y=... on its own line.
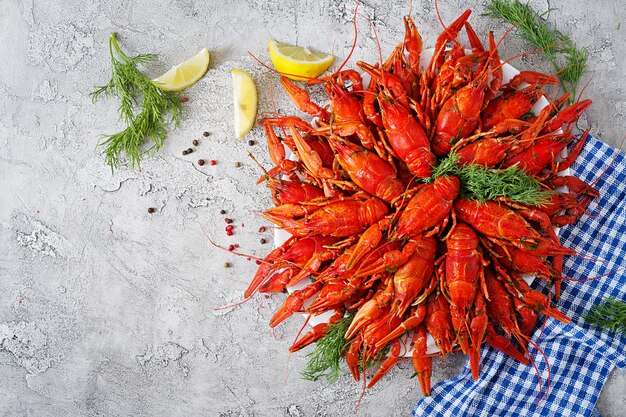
x=247, y=259
x=195, y=142
x=200, y=162
x=251, y=142
x=236, y=245
x=226, y=264
x=258, y=262
x=151, y=210
x=184, y=99
x=229, y=233
x=237, y=164
x=222, y=211
x=231, y=248
x=263, y=241
x=262, y=229
x=242, y=225
x=227, y=220
x=229, y=228
x=213, y=162
x=205, y=134
x=189, y=150
x=185, y=152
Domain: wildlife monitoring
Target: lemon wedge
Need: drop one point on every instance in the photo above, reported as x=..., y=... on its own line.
x=245, y=99
x=185, y=74
x=300, y=63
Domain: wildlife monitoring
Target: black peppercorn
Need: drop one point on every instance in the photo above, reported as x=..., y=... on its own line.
x=151, y=210
x=195, y=142
x=200, y=162
x=205, y=134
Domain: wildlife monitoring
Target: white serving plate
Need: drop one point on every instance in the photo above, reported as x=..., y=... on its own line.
x=281, y=236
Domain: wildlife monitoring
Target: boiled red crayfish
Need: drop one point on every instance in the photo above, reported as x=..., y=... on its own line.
x=381, y=242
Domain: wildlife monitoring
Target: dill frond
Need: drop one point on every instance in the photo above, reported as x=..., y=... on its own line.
x=146, y=109
x=611, y=315
x=324, y=360
x=447, y=165
x=569, y=62
x=482, y=183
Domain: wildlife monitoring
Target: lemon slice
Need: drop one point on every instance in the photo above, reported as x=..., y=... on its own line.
x=300, y=63
x=245, y=99
x=185, y=74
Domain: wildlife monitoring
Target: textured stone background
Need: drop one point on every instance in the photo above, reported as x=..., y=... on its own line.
x=108, y=310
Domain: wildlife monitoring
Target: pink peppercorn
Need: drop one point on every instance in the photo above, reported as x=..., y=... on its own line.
x=229, y=232
x=184, y=99
x=258, y=262
x=262, y=229
x=213, y=162
x=231, y=248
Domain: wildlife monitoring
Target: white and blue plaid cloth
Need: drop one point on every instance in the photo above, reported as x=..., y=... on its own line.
x=581, y=356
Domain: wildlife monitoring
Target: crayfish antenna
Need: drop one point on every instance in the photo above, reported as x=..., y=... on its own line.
x=356, y=35
x=245, y=300
x=593, y=73
x=524, y=341
x=380, y=51
x=595, y=277
x=358, y=403
x=604, y=171
x=443, y=25
x=308, y=317
x=541, y=397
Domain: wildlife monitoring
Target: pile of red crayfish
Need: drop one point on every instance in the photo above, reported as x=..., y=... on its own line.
x=376, y=235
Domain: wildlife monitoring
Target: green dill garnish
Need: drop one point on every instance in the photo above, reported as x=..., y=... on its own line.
x=447, y=165
x=569, y=61
x=611, y=315
x=325, y=359
x=482, y=183
x=135, y=90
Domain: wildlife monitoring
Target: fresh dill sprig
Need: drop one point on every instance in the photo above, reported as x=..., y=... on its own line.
x=611, y=315
x=447, y=165
x=569, y=62
x=483, y=183
x=146, y=109
x=324, y=360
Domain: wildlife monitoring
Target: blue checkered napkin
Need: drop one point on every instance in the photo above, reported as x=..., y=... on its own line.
x=580, y=356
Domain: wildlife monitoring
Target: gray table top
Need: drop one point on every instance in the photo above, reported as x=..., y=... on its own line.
x=106, y=309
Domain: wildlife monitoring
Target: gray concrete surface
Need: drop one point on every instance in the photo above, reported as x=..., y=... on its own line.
x=108, y=310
